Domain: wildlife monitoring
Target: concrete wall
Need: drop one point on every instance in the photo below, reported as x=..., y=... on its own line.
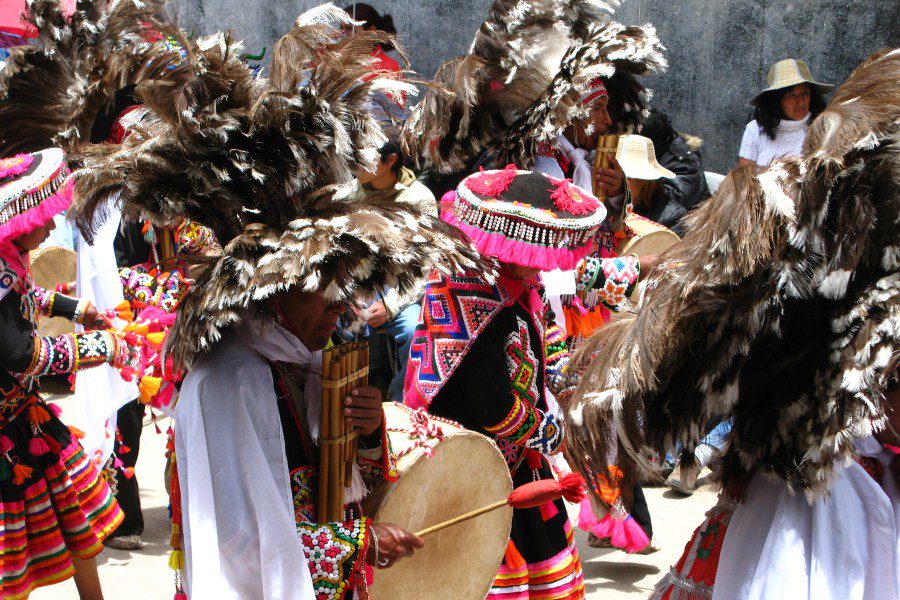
x=719, y=50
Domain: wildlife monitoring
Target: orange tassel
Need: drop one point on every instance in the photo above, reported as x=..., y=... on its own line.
x=124, y=312
x=21, y=473
x=149, y=387
x=156, y=338
x=79, y=434
x=128, y=472
x=37, y=415
x=512, y=557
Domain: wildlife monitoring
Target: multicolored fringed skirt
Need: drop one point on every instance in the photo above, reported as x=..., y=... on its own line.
x=541, y=561
x=54, y=504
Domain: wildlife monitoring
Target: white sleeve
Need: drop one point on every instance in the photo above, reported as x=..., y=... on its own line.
x=750, y=142
x=548, y=166
x=240, y=537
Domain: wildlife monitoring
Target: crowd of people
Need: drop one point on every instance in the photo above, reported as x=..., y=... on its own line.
x=238, y=232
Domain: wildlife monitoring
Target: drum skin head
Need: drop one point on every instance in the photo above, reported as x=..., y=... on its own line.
x=50, y=266
x=459, y=562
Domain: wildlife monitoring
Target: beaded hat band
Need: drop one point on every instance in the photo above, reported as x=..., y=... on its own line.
x=33, y=188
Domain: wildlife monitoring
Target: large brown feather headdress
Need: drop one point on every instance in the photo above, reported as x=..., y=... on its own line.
x=258, y=161
x=519, y=84
x=780, y=310
x=51, y=93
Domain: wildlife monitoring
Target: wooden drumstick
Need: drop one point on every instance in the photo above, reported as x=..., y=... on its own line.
x=461, y=518
x=529, y=495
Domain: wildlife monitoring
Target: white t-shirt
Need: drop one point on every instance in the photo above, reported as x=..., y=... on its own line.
x=761, y=149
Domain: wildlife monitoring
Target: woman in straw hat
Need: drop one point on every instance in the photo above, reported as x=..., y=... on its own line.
x=782, y=113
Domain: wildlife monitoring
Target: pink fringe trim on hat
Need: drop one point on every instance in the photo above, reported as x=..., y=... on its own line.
x=515, y=252
x=39, y=215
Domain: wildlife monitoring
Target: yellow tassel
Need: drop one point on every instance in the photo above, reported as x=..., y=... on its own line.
x=138, y=328
x=176, y=560
x=156, y=338
x=175, y=540
x=149, y=387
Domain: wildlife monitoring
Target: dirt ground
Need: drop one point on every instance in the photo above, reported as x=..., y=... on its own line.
x=608, y=574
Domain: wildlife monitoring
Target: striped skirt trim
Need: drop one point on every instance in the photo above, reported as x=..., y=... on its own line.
x=558, y=578
x=65, y=513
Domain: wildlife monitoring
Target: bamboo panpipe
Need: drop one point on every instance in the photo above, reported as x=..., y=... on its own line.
x=324, y=449
x=606, y=146
x=344, y=368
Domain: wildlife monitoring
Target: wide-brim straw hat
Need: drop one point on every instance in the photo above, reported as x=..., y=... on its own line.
x=637, y=157
x=788, y=73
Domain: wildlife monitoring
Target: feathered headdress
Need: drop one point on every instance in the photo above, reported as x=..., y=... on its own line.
x=780, y=309
x=257, y=161
x=51, y=93
x=520, y=83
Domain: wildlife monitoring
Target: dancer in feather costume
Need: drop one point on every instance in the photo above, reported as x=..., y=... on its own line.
x=259, y=162
x=780, y=310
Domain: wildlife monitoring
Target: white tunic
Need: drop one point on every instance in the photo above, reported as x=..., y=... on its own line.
x=240, y=536
x=761, y=149
x=843, y=546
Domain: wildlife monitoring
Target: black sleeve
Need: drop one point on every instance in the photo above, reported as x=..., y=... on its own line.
x=478, y=392
x=130, y=246
x=16, y=336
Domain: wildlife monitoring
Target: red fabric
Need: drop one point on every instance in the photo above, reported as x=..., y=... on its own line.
x=11, y=17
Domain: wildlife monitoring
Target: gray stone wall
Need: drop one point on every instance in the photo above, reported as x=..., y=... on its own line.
x=719, y=50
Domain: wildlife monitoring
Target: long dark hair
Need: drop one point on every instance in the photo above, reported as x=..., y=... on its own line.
x=768, y=112
x=370, y=17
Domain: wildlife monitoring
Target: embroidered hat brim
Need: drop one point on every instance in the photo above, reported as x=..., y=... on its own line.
x=32, y=198
x=530, y=220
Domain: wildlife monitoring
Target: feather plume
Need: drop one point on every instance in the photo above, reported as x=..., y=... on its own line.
x=258, y=161
x=780, y=310
x=52, y=93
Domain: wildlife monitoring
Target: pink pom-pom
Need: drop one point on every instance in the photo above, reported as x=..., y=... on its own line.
x=570, y=199
x=492, y=183
x=38, y=446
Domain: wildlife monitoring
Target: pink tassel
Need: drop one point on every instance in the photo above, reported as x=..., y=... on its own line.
x=38, y=446
x=53, y=444
x=180, y=596
x=548, y=511
x=587, y=521
x=635, y=536
x=6, y=444
x=164, y=397
x=55, y=409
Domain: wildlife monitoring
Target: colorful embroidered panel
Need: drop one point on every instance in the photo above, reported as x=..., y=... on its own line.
x=547, y=438
x=334, y=551
x=145, y=288
x=456, y=310
x=71, y=352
